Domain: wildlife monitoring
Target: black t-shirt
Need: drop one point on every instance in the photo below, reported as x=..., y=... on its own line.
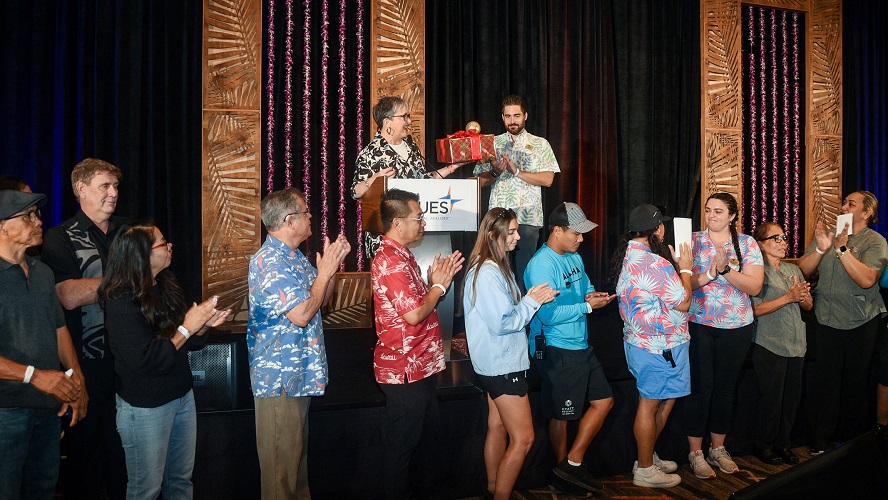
x=30, y=314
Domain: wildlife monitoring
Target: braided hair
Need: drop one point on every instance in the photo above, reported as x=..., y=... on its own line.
x=731, y=203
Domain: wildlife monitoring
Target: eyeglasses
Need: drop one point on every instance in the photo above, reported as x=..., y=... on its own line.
x=776, y=237
x=418, y=219
x=162, y=245
x=294, y=213
x=31, y=216
x=405, y=116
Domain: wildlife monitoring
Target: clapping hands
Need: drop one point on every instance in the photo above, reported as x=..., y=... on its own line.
x=542, y=293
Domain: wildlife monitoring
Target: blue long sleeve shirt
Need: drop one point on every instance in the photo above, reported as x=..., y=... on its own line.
x=563, y=321
x=495, y=322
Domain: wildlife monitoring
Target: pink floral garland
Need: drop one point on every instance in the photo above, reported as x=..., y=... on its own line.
x=288, y=98
x=325, y=116
x=342, y=87
x=796, y=136
x=753, y=126
x=784, y=135
x=306, y=104
x=359, y=117
x=763, y=111
x=269, y=89
x=774, y=135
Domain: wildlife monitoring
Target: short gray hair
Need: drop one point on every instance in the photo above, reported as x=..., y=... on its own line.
x=386, y=108
x=278, y=204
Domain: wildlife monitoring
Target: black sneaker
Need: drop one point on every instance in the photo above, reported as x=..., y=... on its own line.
x=817, y=447
x=788, y=456
x=576, y=474
x=767, y=456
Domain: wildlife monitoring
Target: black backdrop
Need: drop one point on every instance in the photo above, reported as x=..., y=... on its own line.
x=612, y=84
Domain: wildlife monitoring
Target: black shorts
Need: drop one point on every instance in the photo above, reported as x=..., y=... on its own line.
x=510, y=384
x=569, y=379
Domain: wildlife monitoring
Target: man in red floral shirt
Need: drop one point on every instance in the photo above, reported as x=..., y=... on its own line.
x=410, y=350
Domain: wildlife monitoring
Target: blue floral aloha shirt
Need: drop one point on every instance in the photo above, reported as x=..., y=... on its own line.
x=282, y=354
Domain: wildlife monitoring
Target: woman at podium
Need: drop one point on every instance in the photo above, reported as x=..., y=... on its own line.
x=391, y=153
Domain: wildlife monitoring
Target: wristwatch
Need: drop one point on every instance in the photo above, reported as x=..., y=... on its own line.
x=494, y=173
x=726, y=270
x=841, y=251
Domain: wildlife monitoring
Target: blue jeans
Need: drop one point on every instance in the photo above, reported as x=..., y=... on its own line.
x=29, y=465
x=159, y=445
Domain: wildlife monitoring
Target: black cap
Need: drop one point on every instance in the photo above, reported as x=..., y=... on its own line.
x=645, y=218
x=13, y=202
x=571, y=215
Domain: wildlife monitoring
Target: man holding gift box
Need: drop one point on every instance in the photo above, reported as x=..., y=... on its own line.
x=525, y=164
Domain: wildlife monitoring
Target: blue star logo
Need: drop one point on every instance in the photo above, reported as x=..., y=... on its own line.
x=449, y=199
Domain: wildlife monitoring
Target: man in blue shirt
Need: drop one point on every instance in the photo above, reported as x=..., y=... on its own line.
x=285, y=340
x=570, y=372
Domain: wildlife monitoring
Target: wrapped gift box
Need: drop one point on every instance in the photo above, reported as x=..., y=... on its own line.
x=465, y=146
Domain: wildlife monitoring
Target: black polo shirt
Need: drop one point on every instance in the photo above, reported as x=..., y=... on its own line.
x=77, y=249
x=30, y=314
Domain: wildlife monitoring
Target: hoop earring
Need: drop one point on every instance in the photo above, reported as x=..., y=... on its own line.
x=388, y=130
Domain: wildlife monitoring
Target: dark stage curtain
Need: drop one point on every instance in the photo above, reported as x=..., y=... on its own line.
x=115, y=80
x=865, y=93
x=613, y=86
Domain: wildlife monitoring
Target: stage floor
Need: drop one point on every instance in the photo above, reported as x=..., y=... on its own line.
x=620, y=486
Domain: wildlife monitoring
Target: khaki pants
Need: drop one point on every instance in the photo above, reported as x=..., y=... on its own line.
x=282, y=444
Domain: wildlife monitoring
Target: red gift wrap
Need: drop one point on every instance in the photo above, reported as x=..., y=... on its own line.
x=465, y=146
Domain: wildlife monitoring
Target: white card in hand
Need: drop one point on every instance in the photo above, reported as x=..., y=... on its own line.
x=682, y=229
x=845, y=219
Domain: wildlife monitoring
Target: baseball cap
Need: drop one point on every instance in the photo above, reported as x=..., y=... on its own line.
x=13, y=202
x=571, y=215
x=646, y=217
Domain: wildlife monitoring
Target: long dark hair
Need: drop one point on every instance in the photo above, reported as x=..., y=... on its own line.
x=490, y=246
x=731, y=203
x=128, y=271
x=654, y=242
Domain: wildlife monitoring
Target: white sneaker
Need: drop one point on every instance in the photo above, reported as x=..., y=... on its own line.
x=665, y=465
x=653, y=477
x=720, y=457
x=698, y=464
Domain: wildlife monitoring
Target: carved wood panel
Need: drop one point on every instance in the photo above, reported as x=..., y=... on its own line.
x=824, y=121
x=232, y=170
x=722, y=104
x=397, y=58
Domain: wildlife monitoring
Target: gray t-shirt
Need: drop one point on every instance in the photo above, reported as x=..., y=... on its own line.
x=839, y=302
x=782, y=331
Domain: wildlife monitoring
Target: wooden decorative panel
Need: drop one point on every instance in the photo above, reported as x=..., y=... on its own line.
x=397, y=58
x=722, y=108
x=232, y=168
x=824, y=134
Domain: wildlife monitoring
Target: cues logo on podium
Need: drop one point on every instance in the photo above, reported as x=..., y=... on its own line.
x=448, y=205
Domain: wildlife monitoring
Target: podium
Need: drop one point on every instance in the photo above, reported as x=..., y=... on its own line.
x=448, y=205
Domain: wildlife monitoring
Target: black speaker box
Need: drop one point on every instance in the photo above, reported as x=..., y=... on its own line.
x=221, y=374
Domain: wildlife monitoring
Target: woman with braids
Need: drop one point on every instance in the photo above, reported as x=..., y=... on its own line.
x=151, y=328
x=780, y=344
x=848, y=305
x=391, y=153
x=654, y=293
x=728, y=269
x=495, y=319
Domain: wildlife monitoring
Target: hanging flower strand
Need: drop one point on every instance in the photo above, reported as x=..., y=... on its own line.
x=796, y=137
x=359, y=115
x=325, y=116
x=288, y=99
x=269, y=90
x=342, y=34
x=753, y=123
x=306, y=102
